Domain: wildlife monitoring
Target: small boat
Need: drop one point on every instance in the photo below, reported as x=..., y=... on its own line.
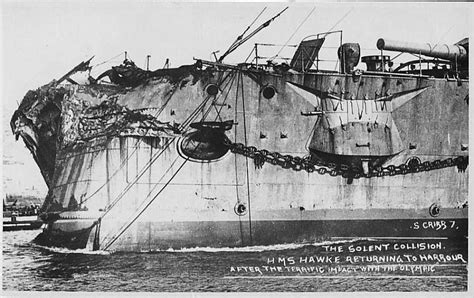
x=17, y=218
x=25, y=222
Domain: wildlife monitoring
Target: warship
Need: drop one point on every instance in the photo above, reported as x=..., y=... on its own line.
x=223, y=155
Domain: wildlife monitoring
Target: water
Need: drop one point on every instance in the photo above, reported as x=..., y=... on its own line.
x=28, y=267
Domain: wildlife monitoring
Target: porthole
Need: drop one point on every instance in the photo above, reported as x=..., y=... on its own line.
x=434, y=210
x=212, y=89
x=240, y=209
x=413, y=162
x=268, y=92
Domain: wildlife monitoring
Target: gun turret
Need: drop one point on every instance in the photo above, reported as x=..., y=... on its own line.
x=456, y=52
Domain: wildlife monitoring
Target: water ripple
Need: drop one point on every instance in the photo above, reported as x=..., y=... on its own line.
x=29, y=267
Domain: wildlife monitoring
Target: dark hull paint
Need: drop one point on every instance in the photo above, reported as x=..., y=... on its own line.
x=164, y=235
x=77, y=239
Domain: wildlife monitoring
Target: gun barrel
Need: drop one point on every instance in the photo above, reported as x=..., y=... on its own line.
x=442, y=51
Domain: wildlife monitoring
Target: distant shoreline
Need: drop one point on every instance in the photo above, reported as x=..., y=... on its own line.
x=22, y=199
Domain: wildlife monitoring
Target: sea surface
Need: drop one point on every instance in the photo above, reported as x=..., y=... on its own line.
x=346, y=265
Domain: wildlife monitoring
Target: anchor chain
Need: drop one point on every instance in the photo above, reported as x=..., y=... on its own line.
x=297, y=163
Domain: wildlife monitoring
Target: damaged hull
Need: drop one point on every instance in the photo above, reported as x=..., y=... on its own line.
x=131, y=172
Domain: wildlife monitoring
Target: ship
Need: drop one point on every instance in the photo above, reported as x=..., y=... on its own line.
x=213, y=154
x=19, y=215
x=16, y=221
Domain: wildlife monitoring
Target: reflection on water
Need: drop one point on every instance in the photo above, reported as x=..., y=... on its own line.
x=28, y=267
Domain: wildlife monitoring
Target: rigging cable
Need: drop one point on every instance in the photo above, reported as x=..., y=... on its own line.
x=225, y=98
x=140, y=141
x=145, y=168
x=340, y=20
x=222, y=104
x=123, y=229
x=142, y=209
x=114, y=57
x=442, y=37
x=236, y=115
x=122, y=194
x=124, y=162
x=245, y=31
x=246, y=158
x=337, y=23
x=301, y=24
x=250, y=54
x=240, y=42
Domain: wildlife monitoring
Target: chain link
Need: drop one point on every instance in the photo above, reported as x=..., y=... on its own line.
x=296, y=163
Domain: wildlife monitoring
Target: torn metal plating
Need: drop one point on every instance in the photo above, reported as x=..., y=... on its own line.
x=59, y=115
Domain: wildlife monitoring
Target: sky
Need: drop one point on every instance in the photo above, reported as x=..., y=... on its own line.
x=42, y=40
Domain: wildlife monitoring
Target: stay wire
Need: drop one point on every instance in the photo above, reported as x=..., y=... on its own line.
x=114, y=57
x=246, y=157
x=129, y=156
x=123, y=229
x=442, y=37
x=196, y=111
x=122, y=164
x=214, y=100
x=150, y=192
x=301, y=24
x=340, y=20
x=236, y=115
x=245, y=31
x=228, y=92
x=142, y=209
x=142, y=172
x=250, y=54
x=205, y=115
x=150, y=162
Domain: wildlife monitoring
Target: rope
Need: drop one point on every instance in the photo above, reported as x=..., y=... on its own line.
x=150, y=162
x=227, y=94
x=241, y=35
x=136, y=147
x=250, y=54
x=246, y=158
x=218, y=111
x=245, y=31
x=143, y=208
x=241, y=40
x=123, y=229
x=340, y=20
x=145, y=168
x=140, y=141
x=131, y=154
x=129, y=186
x=235, y=157
x=206, y=114
x=108, y=60
x=276, y=45
x=301, y=24
x=397, y=56
x=442, y=37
